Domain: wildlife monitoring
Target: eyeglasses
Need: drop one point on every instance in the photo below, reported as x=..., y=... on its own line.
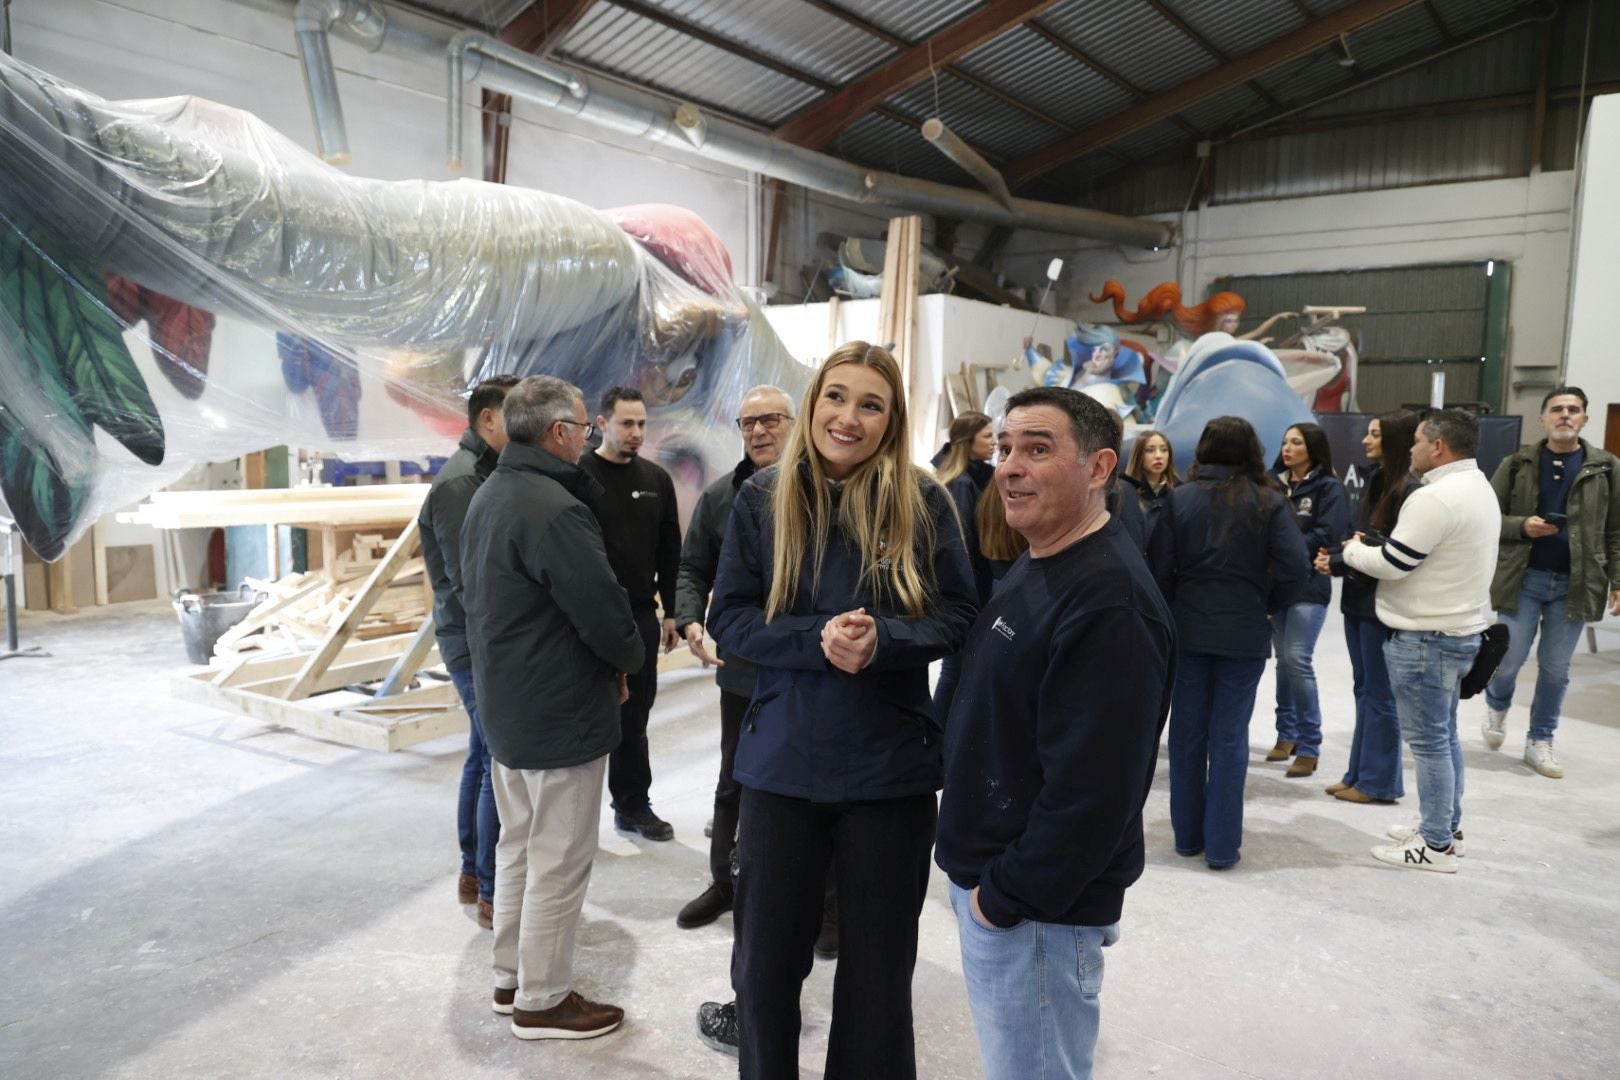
x=769, y=421
x=586, y=424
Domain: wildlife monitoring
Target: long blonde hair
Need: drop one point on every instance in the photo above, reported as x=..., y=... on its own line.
x=882, y=510
x=959, y=447
x=997, y=539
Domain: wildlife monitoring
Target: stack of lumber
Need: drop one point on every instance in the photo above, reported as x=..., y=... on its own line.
x=300, y=610
x=378, y=504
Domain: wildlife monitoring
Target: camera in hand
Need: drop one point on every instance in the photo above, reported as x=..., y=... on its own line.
x=1373, y=538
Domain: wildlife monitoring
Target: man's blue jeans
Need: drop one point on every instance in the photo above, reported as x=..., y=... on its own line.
x=1375, y=748
x=1541, y=602
x=1033, y=990
x=477, y=820
x=1299, y=712
x=1209, y=753
x=1426, y=669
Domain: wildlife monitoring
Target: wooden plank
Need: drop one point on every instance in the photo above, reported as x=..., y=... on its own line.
x=257, y=669
x=403, y=550
x=335, y=677
x=410, y=662
x=437, y=696
x=253, y=470
x=98, y=555
x=306, y=717
x=59, y=584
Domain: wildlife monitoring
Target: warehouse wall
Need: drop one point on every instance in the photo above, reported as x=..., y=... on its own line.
x=1522, y=220
x=1596, y=283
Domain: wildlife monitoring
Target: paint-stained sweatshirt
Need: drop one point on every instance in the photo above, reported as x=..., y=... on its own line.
x=1053, y=736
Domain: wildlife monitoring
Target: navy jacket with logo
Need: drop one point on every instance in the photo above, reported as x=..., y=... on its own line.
x=812, y=731
x=1322, y=512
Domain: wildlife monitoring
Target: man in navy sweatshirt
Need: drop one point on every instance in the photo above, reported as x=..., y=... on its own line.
x=1051, y=744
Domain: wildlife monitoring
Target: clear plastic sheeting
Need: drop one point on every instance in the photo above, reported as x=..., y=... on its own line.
x=180, y=283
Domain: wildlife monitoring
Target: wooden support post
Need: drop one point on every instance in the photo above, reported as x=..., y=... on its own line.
x=898, y=308
x=98, y=555
x=59, y=584
x=403, y=551
x=832, y=323
x=410, y=662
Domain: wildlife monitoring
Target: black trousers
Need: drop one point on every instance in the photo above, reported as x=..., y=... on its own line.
x=879, y=852
x=727, y=793
x=629, y=766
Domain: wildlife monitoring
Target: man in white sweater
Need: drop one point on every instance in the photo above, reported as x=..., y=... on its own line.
x=1434, y=593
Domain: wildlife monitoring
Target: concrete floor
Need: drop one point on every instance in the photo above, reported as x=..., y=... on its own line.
x=184, y=893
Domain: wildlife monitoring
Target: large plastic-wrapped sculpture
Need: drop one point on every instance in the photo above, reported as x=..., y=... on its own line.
x=179, y=283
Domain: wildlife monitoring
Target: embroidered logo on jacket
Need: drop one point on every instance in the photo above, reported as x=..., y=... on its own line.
x=1002, y=628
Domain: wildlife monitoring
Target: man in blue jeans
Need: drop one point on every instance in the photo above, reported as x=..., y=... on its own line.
x=1559, y=565
x=1049, y=750
x=1434, y=578
x=443, y=512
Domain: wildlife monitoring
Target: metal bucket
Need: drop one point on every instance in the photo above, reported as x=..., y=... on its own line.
x=204, y=617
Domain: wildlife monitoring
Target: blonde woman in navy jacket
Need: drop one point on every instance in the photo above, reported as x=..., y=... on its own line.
x=843, y=575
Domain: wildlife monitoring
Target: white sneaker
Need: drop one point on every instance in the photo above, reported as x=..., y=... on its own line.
x=1495, y=728
x=1402, y=833
x=1415, y=854
x=1538, y=754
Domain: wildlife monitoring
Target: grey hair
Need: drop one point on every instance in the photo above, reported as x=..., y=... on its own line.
x=1459, y=430
x=767, y=388
x=536, y=403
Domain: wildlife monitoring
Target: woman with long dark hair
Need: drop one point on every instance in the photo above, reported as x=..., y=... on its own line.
x=1374, y=772
x=1304, y=469
x=1225, y=554
x=842, y=577
x=965, y=470
x=1152, y=471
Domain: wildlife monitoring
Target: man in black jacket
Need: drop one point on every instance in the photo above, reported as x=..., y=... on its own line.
x=1051, y=744
x=765, y=418
x=442, y=516
x=641, y=527
x=551, y=635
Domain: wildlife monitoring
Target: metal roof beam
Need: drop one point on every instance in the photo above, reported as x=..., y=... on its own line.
x=1202, y=87
x=822, y=122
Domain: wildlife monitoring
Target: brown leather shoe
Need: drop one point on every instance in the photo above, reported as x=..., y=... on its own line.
x=504, y=1000
x=1334, y=789
x=467, y=889
x=1355, y=795
x=486, y=914
x=1281, y=752
x=1302, y=766
x=571, y=1018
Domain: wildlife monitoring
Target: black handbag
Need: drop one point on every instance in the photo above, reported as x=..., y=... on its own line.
x=1493, y=645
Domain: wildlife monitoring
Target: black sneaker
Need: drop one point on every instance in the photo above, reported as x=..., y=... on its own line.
x=714, y=902
x=717, y=1026
x=645, y=822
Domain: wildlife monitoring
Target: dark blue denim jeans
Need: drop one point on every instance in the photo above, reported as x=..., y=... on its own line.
x=477, y=821
x=1299, y=711
x=1209, y=753
x=1375, y=748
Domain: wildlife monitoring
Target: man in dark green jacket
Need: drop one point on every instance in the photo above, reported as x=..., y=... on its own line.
x=765, y=418
x=1558, y=568
x=443, y=513
x=551, y=635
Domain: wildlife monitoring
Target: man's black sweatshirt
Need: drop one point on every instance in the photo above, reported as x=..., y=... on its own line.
x=641, y=527
x=1053, y=737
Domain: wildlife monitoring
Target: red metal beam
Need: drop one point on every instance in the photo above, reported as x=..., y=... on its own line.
x=819, y=124
x=1203, y=87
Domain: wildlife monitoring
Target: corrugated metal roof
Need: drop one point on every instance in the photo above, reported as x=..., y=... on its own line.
x=1226, y=110
x=1239, y=28
x=649, y=53
x=1464, y=16
x=913, y=20
x=1131, y=39
x=1501, y=65
x=1151, y=140
x=975, y=116
x=787, y=30
x=489, y=14
x=1025, y=64
x=1397, y=36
